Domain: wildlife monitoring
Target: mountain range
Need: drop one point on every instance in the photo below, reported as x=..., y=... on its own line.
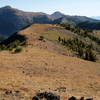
x=12, y=20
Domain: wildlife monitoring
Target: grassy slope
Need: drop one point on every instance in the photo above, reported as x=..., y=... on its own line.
x=40, y=67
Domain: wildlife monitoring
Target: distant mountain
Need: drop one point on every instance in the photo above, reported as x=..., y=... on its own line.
x=96, y=17
x=12, y=20
x=57, y=15
x=74, y=19
x=90, y=25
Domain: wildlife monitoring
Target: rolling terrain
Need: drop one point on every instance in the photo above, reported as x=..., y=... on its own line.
x=46, y=65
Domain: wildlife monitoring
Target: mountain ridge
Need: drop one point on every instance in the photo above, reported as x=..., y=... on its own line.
x=43, y=66
x=13, y=19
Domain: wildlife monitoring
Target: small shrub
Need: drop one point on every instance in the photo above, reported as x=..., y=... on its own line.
x=17, y=50
x=14, y=47
x=41, y=38
x=89, y=55
x=3, y=47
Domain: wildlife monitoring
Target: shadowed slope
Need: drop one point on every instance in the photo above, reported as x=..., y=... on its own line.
x=13, y=38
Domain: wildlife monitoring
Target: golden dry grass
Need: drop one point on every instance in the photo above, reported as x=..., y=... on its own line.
x=38, y=69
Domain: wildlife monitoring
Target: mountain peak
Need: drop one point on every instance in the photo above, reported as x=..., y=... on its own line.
x=57, y=13
x=7, y=7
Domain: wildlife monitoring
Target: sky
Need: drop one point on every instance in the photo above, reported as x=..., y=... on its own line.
x=69, y=7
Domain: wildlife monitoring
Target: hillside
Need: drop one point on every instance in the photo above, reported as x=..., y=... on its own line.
x=90, y=25
x=80, y=43
x=12, y=20
x=45, y=65
x=74, y=20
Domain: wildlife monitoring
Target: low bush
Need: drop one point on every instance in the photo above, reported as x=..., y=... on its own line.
x=17, y=50
x=41, y=38
x=15, y=46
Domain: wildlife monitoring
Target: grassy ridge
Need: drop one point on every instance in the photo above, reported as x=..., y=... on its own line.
x=81, y=42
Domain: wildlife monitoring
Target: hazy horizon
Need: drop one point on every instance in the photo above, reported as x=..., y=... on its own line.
x=82, y=8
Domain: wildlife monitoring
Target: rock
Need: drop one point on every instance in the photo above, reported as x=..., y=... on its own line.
x=82, y=98
x=17, y=91
x=8, y=92
x=72, y=98
x=48, y=96
x=41, y=95
x=35, y=98
x=51, y=96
